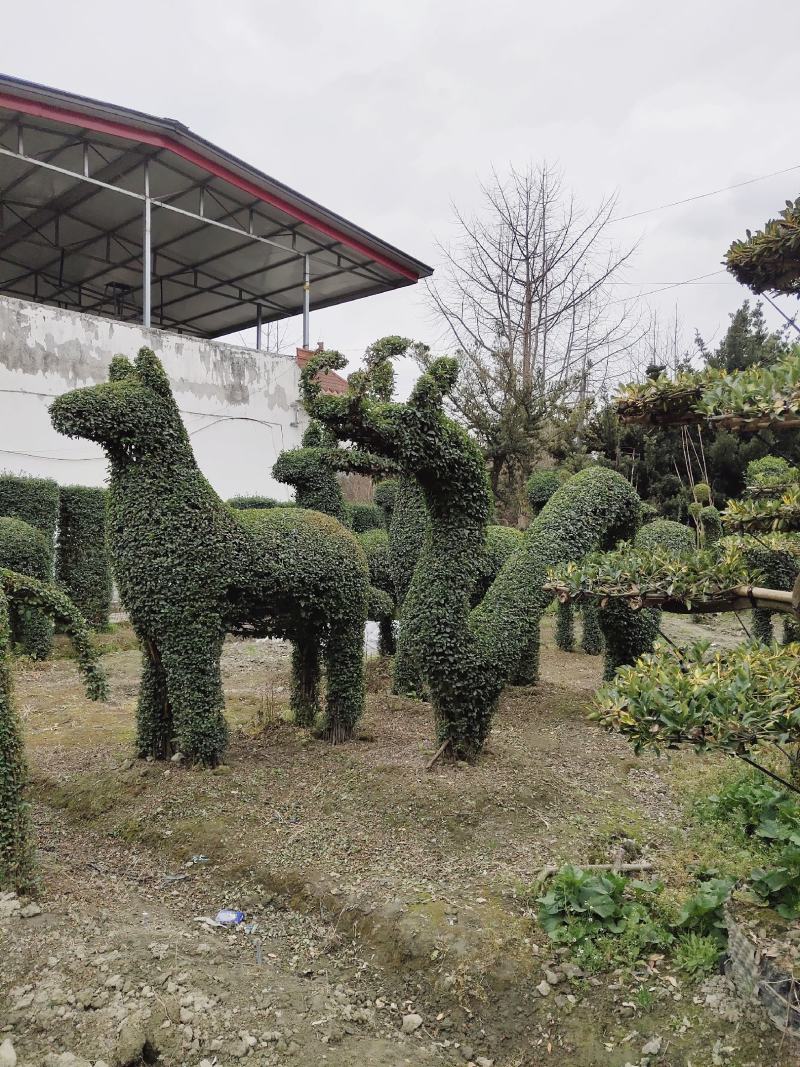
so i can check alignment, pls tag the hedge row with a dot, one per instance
(82, 562)
(80, 557)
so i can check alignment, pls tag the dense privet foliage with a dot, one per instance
(469, 655)
(82, 563)
(189, 568)
(384, 494)
(363, 517)
(710, 525)
(259, 503)
(777, 568)
(665, 534)
(565, 627)
(309, 471)
(16, 592)
(592, 639)
(34, 500)
(25, 549)
(629, 634)
(540, 487)
(376, 548)
(500, 544)
(406, 536)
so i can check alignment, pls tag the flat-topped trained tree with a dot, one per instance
(189, 569)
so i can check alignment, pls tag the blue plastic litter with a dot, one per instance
(229, 917)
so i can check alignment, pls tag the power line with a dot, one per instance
(702, 196)
(671, 285)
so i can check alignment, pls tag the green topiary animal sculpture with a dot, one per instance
(189, 568)
(468, 655)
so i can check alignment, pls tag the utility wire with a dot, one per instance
(703, 196)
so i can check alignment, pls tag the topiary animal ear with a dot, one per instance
(151, 372)
(119, 368)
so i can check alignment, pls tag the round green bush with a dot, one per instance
(665, 533)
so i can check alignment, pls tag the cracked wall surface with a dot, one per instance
(241, 407)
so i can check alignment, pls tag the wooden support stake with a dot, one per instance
(438, 753)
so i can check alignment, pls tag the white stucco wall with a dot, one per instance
(240, 407)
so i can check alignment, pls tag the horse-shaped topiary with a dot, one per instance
(189, 569)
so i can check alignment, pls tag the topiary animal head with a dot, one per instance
(132, 415)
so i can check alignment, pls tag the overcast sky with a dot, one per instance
(388, 113)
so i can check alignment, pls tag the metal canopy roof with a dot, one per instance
(228, 244)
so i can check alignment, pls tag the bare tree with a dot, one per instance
(526, 295)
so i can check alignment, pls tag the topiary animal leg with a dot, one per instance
(154, 727)
(592, 643)
(194, 686)
(628, 635)
(306, 674)
(344, 675)
(528, 669)
(565, 628)
(761, 627)
(387, 643)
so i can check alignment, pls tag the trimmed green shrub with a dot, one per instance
(25, 549)
(34, 500)
(770, 472)
(189, 568)
(711, 525)
(469, 655)
(82, 563)
(259, 503)
(363, 517)
(540, 487)
(18, 591)
(501, 543)
(384, 494)
(666, 534)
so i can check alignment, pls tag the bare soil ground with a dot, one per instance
(390, 902)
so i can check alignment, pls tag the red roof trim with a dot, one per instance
(118, 129)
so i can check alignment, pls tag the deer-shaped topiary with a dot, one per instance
(189, 569)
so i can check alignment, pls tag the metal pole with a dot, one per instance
(258, 327)
(306, 300)
(146, 265)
